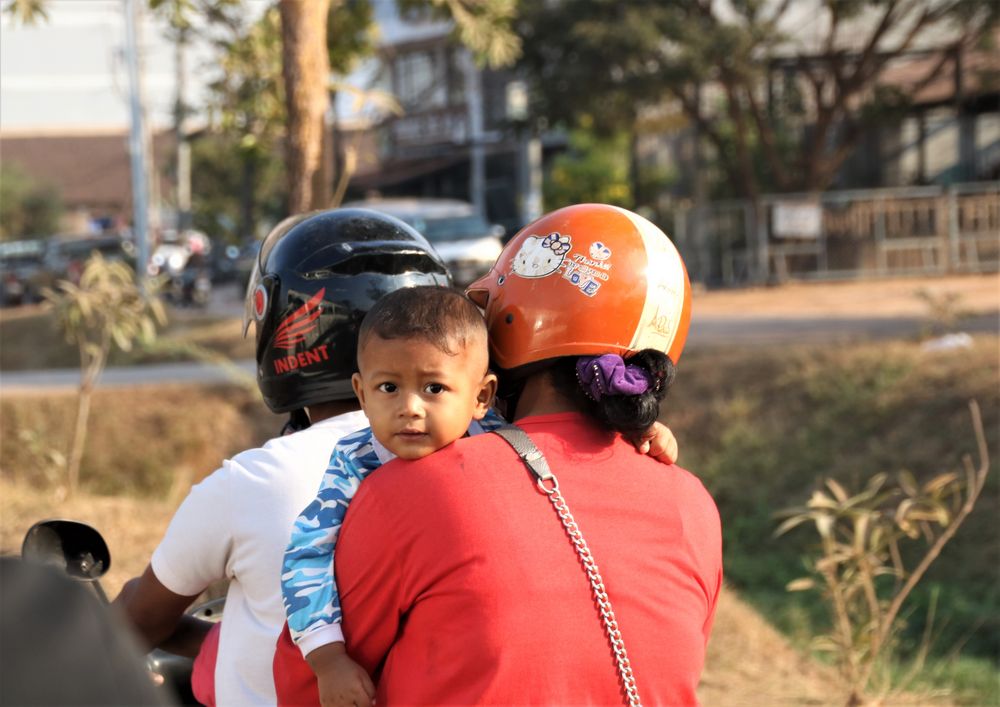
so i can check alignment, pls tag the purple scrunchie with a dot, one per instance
(610, 375)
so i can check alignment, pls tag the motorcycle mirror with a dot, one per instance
(73, 547)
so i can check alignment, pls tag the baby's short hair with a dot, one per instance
(438, 315)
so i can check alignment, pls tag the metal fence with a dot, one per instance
(843, 235)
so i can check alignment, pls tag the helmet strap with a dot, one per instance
(298, 420)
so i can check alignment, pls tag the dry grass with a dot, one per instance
(750, 664)
(222, 337)
(146, 441)
(131, 527)
(29, 340)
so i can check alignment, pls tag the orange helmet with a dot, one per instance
(584, 280)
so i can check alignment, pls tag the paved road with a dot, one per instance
(718, 331)
(126, 376)
(706, 331)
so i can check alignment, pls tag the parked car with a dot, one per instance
(65, 257)
(465, 241)
(20, 262)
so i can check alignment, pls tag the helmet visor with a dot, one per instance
(251, 306)
(255, 301)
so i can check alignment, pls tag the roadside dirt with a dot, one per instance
(973, 294)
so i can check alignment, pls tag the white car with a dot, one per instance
(465, 241)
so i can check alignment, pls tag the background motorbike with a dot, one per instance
(187, 275)
(79, 550)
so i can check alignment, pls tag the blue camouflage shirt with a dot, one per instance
(308, 586)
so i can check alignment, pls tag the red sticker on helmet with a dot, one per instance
(303, 321)
(259, 302)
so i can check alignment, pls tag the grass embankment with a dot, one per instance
(145, 442)
(761, 427)
(29, 340)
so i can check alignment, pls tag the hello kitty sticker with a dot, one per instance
(541, 256)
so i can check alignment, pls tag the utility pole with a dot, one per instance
(530, 152)
(137, 143)
(532, 209)
(183, 185)
(477, 151)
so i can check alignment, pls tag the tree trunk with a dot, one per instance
(744, 160)
(93, 365)
(306, 69)
(79, 440)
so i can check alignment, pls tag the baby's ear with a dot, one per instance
(359, 388)
(487, 391)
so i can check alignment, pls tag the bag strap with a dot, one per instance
(547, 483)
(526, 449)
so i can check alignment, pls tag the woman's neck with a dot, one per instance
(540, 397)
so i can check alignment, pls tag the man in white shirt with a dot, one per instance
(316, 277)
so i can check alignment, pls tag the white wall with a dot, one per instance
(69, 73)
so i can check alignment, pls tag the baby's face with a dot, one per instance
(418, 398)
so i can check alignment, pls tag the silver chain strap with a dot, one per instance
(597, 586)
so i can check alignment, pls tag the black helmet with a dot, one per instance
(316, 277)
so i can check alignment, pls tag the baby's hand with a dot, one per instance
(341, 681)
(658, 442)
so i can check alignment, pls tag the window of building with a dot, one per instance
(415, 78)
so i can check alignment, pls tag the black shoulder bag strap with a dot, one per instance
(549, 485)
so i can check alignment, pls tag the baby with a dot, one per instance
(423, 381)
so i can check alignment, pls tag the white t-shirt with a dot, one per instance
(235, 525)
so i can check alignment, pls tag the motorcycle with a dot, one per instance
(186, 276)
(79, 550)
(190, 287)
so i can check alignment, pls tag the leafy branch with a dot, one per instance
(105, 310)
(860, 544)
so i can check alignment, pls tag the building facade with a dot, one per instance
(458, 133)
